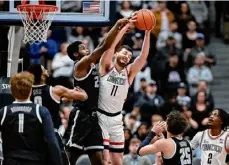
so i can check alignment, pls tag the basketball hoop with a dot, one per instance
(36, 20)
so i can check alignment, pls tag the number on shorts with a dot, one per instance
(38, 100)
(209, 158)
(185, 156)
(96, 81)
(114, 90)
(21, 123)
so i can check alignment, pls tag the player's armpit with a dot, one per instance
(195, 142)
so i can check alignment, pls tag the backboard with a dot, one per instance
(70, 13)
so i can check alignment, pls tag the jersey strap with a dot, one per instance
(107, 113)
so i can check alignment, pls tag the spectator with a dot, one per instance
(126, 9)
(184, 17)
(200, 47)
(203, 86)
(197, 73)
(173, 75)
(182, 99)
(137, 44)
(62, 67)
(144, 74)
(149, 104)
(200, 11)
(163, 36)
(163, 18)
(78, 33)
(162, 55)
(44, 51)
(200, 110)
(133, 157)
(189, 37)
(142, 131)
(131, 122)
(128, 137)
(158, 159)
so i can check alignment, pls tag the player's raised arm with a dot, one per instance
(106, 60)
(86, 61)
(140, 61)
(71, 94)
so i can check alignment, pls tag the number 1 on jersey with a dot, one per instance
(114, 90)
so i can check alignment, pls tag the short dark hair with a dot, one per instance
(125, 47)
(36, 70)
(176, 123)
(73, 48)
(224, 117)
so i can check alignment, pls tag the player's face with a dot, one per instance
(214, 119)
(83, 50)
(45, 73)
(123, 57)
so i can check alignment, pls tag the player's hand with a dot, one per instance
(133, 17)
(122, 22)
(159, 127)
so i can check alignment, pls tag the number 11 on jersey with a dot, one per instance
(114, 90)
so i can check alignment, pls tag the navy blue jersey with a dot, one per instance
(90, 83)
(182, 154)
(42, 95)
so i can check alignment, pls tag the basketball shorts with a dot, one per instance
(112, 131)
(85, 132)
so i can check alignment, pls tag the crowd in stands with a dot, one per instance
(177, 74)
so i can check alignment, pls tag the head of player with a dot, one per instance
(176, 124)
(123, 56)
(219, 119)
(77, 50)
(21, 86)
(39, 72)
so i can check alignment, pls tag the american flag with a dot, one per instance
(91, 7)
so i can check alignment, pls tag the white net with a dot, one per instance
(36, 22)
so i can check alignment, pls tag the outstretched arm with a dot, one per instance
(140, 61)
(82, 66)
(71, 94)
(106, 60)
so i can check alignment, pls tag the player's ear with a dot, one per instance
(76, 54)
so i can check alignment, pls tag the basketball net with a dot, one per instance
(36, 19)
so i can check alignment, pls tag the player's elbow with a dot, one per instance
(82, 97)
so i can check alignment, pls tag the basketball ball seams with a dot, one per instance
(136, 23)
(143, 19)
(152, 17)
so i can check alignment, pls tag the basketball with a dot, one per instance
(145, 20)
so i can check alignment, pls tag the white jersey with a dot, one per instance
(113, 90)
(213, 149)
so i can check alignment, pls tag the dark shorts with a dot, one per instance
(84, 131)
(21, 162)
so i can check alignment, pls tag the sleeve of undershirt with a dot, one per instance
(49, 135)
(196, 140)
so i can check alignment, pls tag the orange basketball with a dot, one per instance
(145, 20)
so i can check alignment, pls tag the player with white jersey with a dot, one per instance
(115, 79)
(214, 142)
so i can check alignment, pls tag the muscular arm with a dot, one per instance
(82, 66)
(140, 61)
(106, 60)
(49, 135)
(71, 94)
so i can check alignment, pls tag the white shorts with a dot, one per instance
(112, 131)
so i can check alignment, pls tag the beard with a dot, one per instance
(121, 64)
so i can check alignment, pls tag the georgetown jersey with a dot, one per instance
(90, 84)
(182, 154)
(22, 131)
(42, 95)
(213, 151)
(113, 90)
